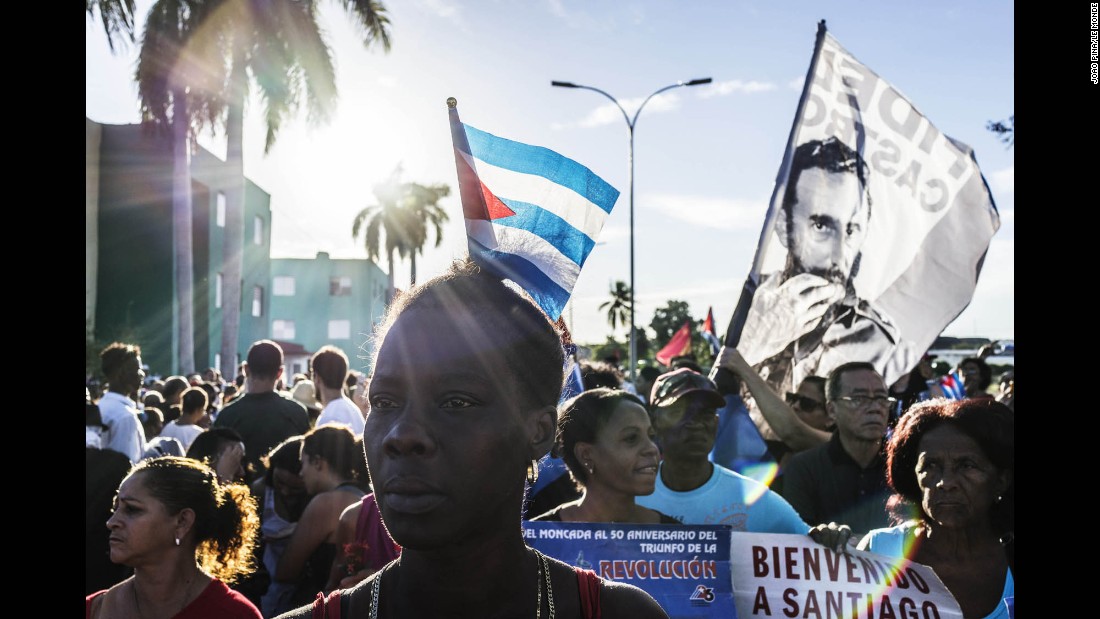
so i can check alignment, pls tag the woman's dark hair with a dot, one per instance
(209, 443)
(985, 373)
(286, 455)
(337, 445)
(597, 374)
(534, 353)
(988, 422)
(226, 523)
(580, 419)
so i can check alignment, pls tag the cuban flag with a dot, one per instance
(952, 386)
(709, 333)
(532, 215)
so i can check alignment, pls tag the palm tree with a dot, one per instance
(117, 17)
(618, 307)
(386, 221)
(421, 203)
(278, 45)
(176, 78)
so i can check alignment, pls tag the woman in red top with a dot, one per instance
(186, 536)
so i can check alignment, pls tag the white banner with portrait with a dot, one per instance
(875, 235)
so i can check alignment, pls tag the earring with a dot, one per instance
(533, 472)
(177, 541)
(591, 469)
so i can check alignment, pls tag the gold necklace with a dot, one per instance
(545, 569)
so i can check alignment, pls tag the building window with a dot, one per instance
(339, 286)
(219, 210)
(282, 329)
(282, 286)
(339, 329)
(258, 301)
(218, 290)
(258, 231)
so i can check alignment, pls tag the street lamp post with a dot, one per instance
(630, 123)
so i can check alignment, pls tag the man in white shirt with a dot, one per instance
(121, 364)
(329, 370)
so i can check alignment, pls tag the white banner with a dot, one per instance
(777, 575)
(875, 236)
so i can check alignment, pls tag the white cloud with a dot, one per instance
(796, 83)
(722, 89)
(1004, 181)
(446, 9)
(609, 113)
(387, 81)
(721, 213)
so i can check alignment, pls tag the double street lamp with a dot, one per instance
(630, 123)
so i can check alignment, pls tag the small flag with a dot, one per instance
(680, 344)
(709, 333)
(952, 386)
(532, 215)
(574, 380)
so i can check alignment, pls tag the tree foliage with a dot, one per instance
(618, 306)
(398, 221)
(117, 17)
(666, 320)
(1005, 130)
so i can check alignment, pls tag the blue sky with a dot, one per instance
(705, 157)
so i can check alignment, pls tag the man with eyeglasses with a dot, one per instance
(844, 480)
(684, 410)
(787, 424)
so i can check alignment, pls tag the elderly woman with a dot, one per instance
(952, 460)
(605, 438)
(463, 403)
(186, 535)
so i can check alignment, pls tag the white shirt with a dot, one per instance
(124, 432)
(185, 434)
(342, 411)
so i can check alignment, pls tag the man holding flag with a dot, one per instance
(875, 236)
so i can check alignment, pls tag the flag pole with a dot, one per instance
(740, 313)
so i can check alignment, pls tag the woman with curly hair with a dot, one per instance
(952, 463)
(186, 536)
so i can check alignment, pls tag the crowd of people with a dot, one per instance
(323, 497)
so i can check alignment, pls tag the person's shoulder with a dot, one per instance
(619, 599)
(229, 603)
(806, 457)
(887, 540)
(554, 515)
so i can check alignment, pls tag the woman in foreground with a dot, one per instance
(953, 460)
(467, 376)
(186, 535)
(606, 440)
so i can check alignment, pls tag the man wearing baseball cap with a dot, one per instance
(683, 406)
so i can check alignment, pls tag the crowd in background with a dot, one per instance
(678, 446)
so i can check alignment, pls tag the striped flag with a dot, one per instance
(709, 334)
(952, 386)
(532, 215)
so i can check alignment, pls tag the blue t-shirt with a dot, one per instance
(892, 542)
(727, 498)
